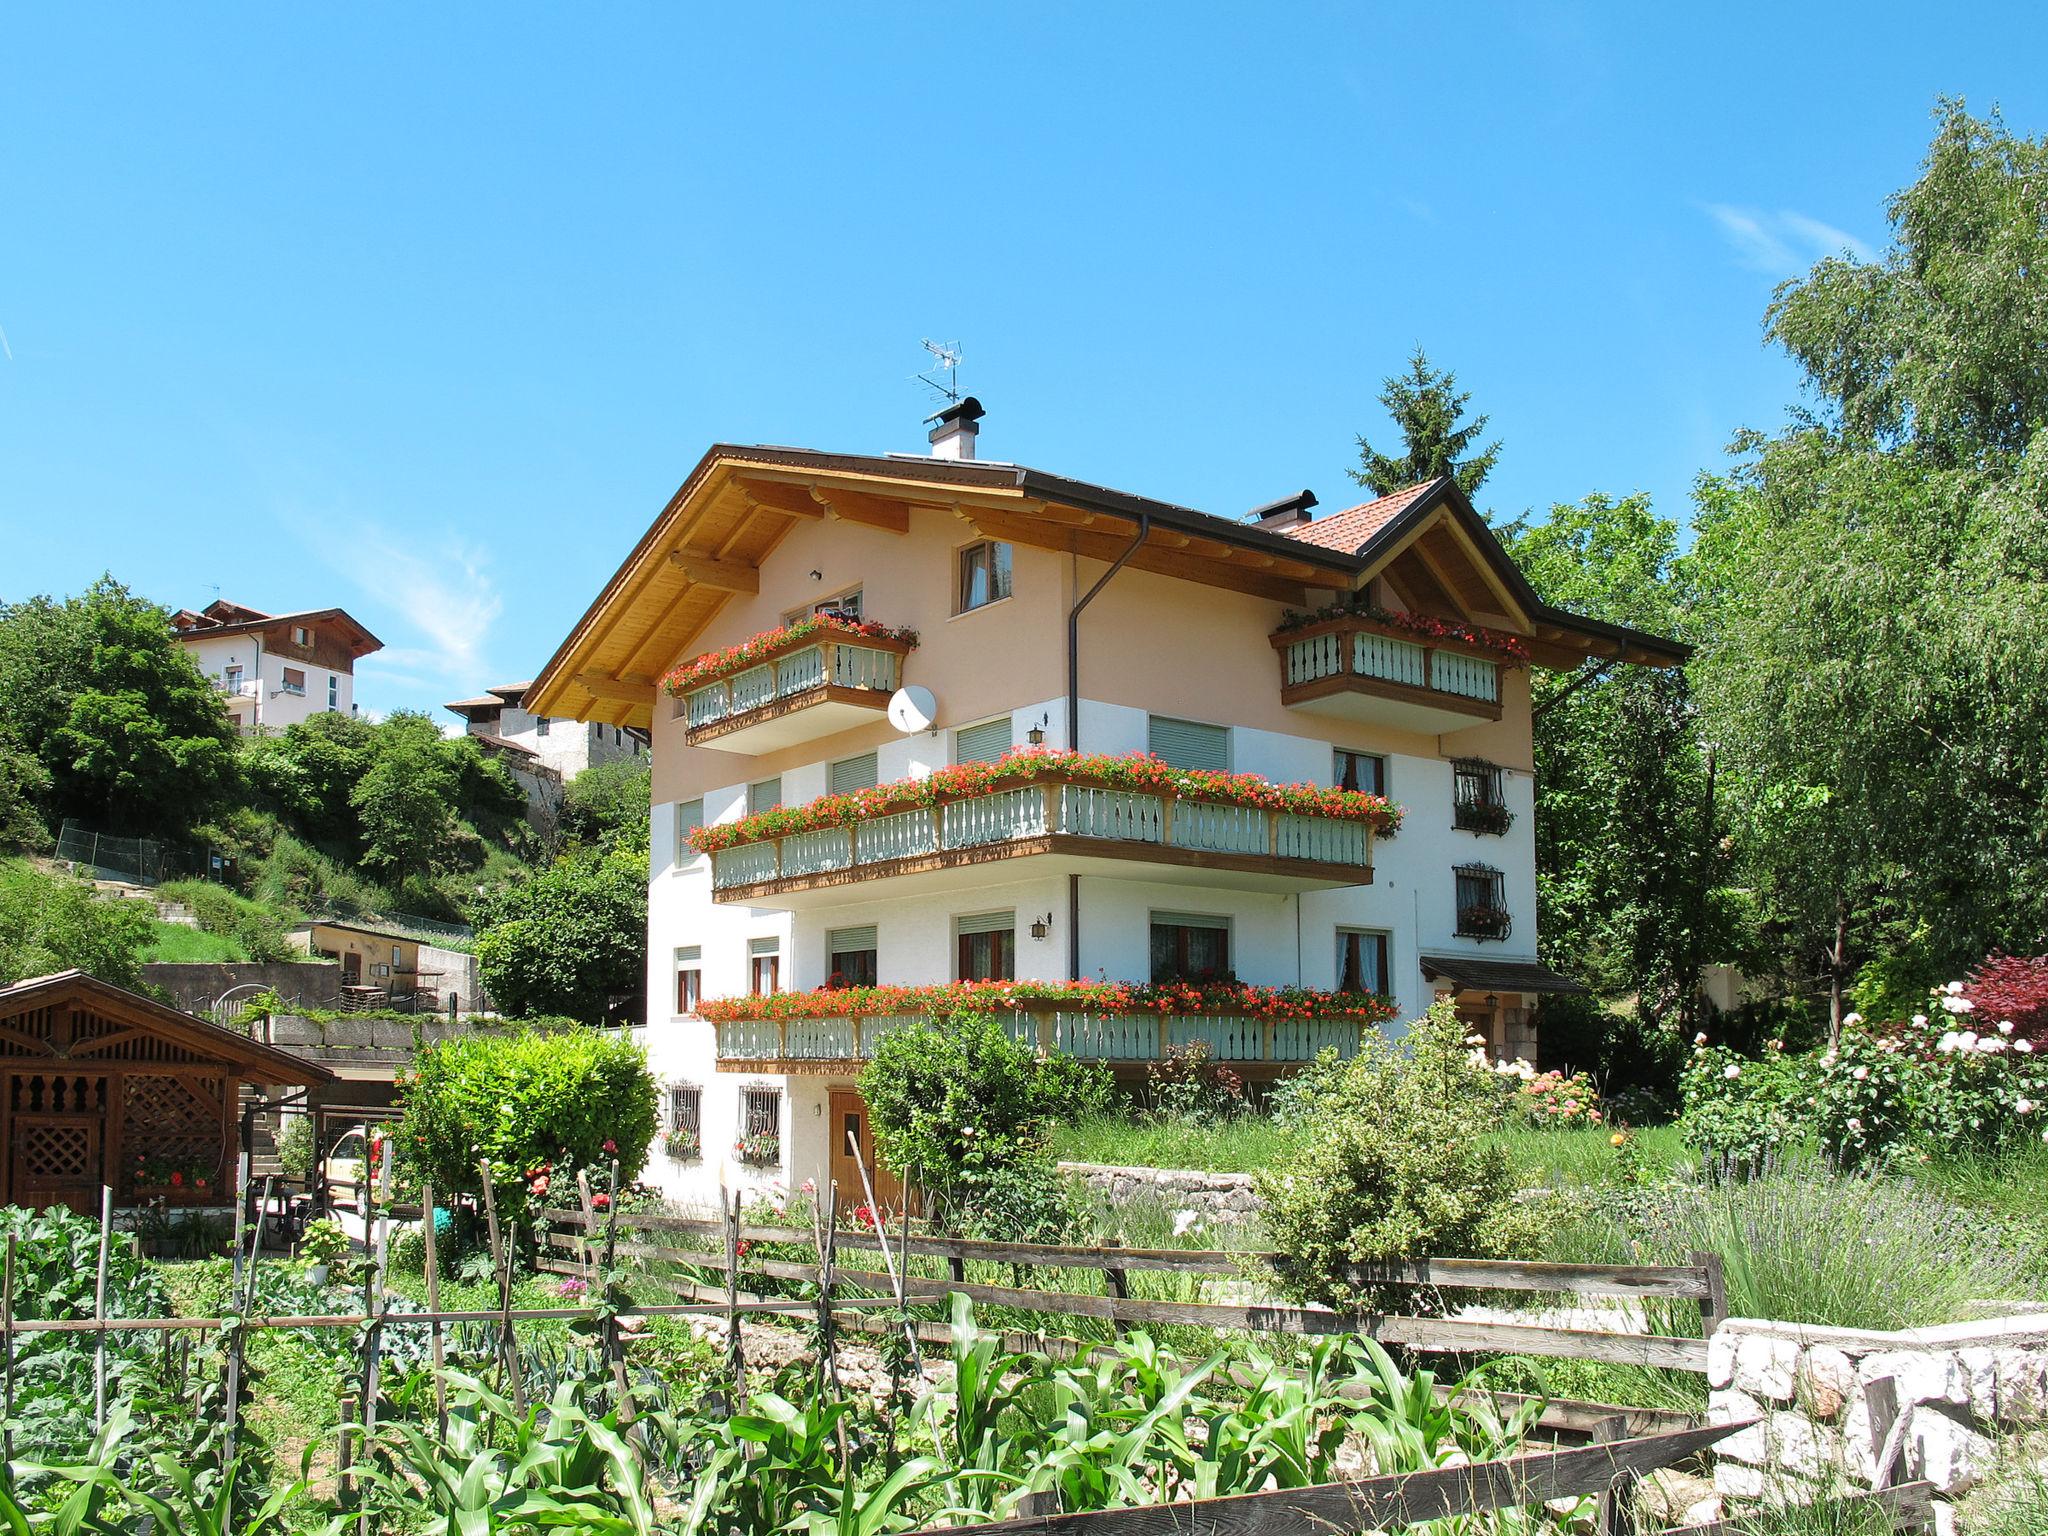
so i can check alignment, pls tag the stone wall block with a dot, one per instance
(1946, 1452)
(1827, 1381)
(1766, 1367)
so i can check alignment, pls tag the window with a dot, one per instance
(764, 795)
(1188, 743)
(1366, 771)
(846, 605)
(1190, 946)
(984, 575)
(761, 1113)
(1482, 902)
(231, 679)
(396, 954)
(850, 957)
(987, 943)
(294, 680)
(689, 817)
(686, 1108)
(541, 725)
(1361, 960)
(333, 692)
(689, 977)
(301, 635)
(764, 966)
(1478, 798)
(851, 773)
(983, 743)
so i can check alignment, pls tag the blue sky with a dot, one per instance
(424, 311)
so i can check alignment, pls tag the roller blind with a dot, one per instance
(1189, 743)
(986, 922)
(842, 941)
(758, 947)
(689, 954)
(764, 796)
(851, 773)
(1191, 919)
(982, 743)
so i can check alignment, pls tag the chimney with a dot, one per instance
(953, 437)
(1284, 513)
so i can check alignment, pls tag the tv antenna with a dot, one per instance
(946, 360)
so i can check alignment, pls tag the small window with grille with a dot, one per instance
(1479, 797)
(1482, 902)
(760, 1138)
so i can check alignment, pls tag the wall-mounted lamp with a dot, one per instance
(1036, 735)
(1041, 926)
(817, 575)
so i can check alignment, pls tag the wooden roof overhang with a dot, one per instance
(1439, 556)
(710, 540)
(60, 999)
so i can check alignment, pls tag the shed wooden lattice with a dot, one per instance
(102, 1086)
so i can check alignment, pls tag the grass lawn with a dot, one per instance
(181, 944)
(1229, 1146)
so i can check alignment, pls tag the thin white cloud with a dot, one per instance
(1783, 243)
(433, 591)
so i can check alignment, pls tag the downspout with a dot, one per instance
(1074, 723)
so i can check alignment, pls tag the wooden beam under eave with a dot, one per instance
(858, 507)
(709, 571)
(778, 496)
(616, 690)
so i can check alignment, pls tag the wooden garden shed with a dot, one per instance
(102, 1086)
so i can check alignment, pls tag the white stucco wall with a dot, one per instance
(1277, 939)
(569, 746)
(268, 706)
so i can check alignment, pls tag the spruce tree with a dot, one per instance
(1429, 410)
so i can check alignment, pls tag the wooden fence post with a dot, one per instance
(437, 1351)
(373, 1336)
(237, 1348)
(99, 1313)
(1119, 1285)
(1714, 1308)
(735, 1350)
(7, 1401)
(501, 1258)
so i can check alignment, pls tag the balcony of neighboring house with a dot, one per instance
(238, 689)
(1135, 819)
(1414, 671)
(837, 1045)
(811, 679)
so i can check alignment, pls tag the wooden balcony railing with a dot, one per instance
(861, 671)
(829, 1045)
(1054, 815)
(1357, 653)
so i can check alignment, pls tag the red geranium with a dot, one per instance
(755, 649)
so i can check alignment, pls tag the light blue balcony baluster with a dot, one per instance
(997, 818)
(819, 1039)
(1229, 1037)
(749, 1040)
(1219, 828)
(707, 706)
(815, 853)
(1393, 661)
(905, 835)
(744, 865)
(800, 671)
(878, 1027)
(1108, 1036)
(856, 666)
(1467, 676)
(753, 688)
(1316, 657)
(1020, 1026)
(1325, 839)
(1126, 815)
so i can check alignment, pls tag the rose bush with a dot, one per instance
(1131, 771)
(1739, 1110)
(1553, 1100)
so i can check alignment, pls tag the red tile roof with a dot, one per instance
(1353, 528)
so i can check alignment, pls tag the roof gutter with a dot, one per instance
(1074, 720)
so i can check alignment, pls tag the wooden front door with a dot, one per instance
(55, 1160)
(848, 1113)
(351, 968)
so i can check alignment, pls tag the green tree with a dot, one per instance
(606, 806)
(532, 1104)
(1429, 412)
(1870, 587)
(1630, 876)
(404, 808)
(24, 783)
(56, 923)
(134, 739)
(571, 940)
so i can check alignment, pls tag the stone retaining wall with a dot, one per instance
(1223, 1198)
(193, 985)
(1846, 1405)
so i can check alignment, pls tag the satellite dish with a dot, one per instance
(913, 709)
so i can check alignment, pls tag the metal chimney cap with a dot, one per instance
(964, 410)
(1288, 509)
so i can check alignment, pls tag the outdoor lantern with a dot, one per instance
(1041, 926)
(1036, 735)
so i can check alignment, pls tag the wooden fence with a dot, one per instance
(1700, 1282)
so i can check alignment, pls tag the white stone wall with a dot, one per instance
(1821, 1413)
(1215, 1199)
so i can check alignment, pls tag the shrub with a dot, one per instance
(1739, 1110)
(55, 922)
(960, 1109)
(1395, 1164)
(260, 931)
(2014, 989)
(535, 1105)
(1191, 1085)
(1555, 1101)
(295, 1147)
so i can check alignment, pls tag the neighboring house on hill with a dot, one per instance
(403, 966)
(276, 669)
(1047, 610)
(540, 746)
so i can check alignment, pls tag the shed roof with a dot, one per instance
(250, 1059)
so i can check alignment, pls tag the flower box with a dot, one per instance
(758, 1151)
(1484, 922)
(1173, 997)
(1484, 816)
(773, 643)
(684, 1145)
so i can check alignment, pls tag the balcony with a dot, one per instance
(839, 1046)
(1065, 825)
(807, 689)
(1364, 668)
(237, 691)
